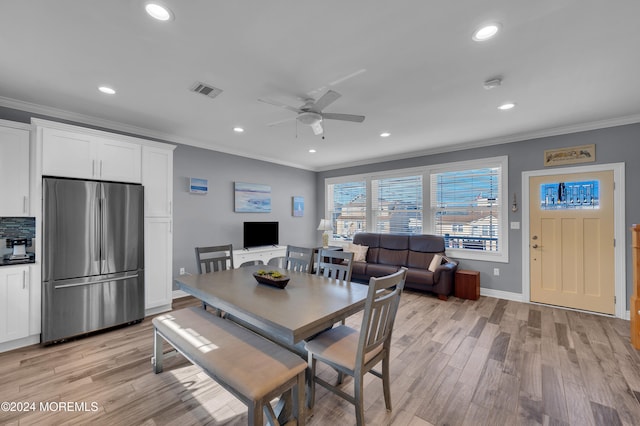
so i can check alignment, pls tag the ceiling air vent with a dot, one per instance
(206, 90)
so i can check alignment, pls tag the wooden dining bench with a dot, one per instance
(249, 366)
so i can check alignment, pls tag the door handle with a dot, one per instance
(534, 246)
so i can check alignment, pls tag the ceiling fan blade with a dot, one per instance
(343, 117)
(280, 104)
(317, 128)
(281, 121)
(325, 100)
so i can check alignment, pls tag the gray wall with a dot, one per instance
(613, 145)
(201, 220)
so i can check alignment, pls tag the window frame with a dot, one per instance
(428, 213)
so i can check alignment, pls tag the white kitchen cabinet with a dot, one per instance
(157, 178)
(258, 253)
(14, 302)
(14, 171)
(158, 246)
(88, 156)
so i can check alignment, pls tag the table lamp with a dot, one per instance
(327, 227)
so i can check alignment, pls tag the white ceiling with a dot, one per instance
(415, 71)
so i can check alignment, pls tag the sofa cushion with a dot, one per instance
(435, 262)
(359, 268)
(426, 243)
(416, 259)
(370, 240)
(420, 277)
(392, 257)
(394, 242)
(359, 252)
(377, 270)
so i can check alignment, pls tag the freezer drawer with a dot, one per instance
(73, 307)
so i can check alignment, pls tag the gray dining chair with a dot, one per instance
(299, 258)
(335, 264)
(356, 352)
(251, 263)
(214, 259)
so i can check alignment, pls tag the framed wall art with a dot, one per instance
(571, 155)
(297, 206)
(252, 198)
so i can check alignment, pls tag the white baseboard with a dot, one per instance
(177, 294)
(157, 310)
(19, 343)
(499, 294)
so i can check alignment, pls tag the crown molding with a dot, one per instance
(79, 118)
(516, 137)
(46, 113)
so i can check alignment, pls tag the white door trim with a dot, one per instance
(618, 227)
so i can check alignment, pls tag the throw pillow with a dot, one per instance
(435, 262)
(359, 252)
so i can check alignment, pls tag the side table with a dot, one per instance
(467, 284)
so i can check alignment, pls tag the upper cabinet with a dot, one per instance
(14, 170)
(157, 178)
(88, 156)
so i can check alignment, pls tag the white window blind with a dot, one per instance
(397, 204)
(347, 208)
(466, 208)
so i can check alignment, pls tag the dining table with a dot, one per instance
(307, 305)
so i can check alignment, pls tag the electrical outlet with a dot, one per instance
(182, 271)
(496, 271)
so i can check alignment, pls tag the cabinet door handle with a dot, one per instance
(93, 168)
(25, 204)
(100, 168)
(170, 208)
(24, 280)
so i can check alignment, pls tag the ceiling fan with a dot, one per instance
(311, 112)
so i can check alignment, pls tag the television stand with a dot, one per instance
(263, 253)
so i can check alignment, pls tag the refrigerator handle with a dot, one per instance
(98, 231)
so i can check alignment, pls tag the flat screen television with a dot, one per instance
(256, 234)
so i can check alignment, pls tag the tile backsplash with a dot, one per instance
(16, 227)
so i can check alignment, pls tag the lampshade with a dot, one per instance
(325, 225)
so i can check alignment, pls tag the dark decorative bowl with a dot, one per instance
(280, 282)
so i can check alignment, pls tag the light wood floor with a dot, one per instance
(459, 362)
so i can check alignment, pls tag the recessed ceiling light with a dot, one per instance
(106, 89)
(238, 129)
(385, 134)
(158, 11)
(486, 32)
(312, 151)
(506, 106)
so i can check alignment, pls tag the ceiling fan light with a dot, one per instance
(309, 118)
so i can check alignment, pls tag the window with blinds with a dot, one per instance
(466, 206)
(396, 204)
(347, 208)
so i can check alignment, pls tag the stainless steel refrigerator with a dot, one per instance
(93, 256)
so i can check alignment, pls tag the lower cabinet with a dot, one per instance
(158, 254)
(14, 302)
(258, 253)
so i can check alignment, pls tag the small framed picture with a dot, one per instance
(198, 186)
(297, 209)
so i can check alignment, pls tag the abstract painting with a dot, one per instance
(252, 198)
